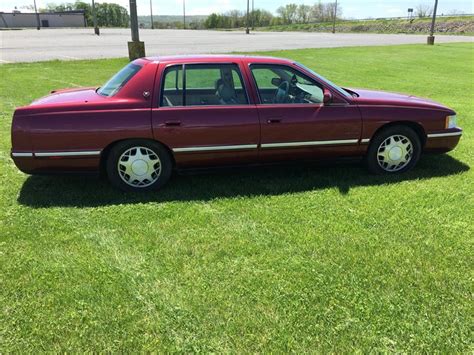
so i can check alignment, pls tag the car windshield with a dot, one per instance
(338, 88)
(119, 80)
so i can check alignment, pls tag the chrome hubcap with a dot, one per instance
(395, 153)
(139, 167)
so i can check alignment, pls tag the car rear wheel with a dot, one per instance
(139, 165)
(395, 149)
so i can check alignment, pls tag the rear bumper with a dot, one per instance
(45, 162)
(442, 141)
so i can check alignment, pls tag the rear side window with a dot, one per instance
(119, 80)
(214, 84)
(172, 93)
(203, 85)
(201, 77)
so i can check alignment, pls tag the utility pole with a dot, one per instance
(184, 14)
(247, 30)
(151, 15)
(431, 37)
(136, 49)
(253, 16)
(38, 26)
(94, 18)
(334, 20)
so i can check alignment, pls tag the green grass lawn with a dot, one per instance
(301, 258)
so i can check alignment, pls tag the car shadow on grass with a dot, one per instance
(81, 191)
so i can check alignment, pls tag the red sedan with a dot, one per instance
(158, 114)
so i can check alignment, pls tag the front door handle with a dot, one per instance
(172, 123)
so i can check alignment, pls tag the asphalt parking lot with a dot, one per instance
(30, 45)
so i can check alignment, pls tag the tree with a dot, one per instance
(276, 21)
(303, 13)
(261, 17)
(108, 15)
(330, 11)
(211, 21)
(316, 12)
(28, 7)
(235, 17)
(288, 13)
(423, 10)
(52, 7)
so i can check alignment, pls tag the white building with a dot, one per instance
(46, 19)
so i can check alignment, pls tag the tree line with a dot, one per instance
(288, 14)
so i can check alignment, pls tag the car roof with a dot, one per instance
(218, 58)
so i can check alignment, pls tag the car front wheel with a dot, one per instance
(139, 165)
(395, 149)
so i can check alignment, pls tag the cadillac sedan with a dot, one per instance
(165, 113)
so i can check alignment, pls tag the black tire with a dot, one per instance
(382, 167)
(150, 150)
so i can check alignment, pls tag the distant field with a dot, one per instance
(278, 259)
(459, 25)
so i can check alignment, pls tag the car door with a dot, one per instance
(295, 122)
(204, 115)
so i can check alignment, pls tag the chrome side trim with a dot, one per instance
(309, 143)
(22, 155)
(448, 134)
(264, 145)
(215, 148)
(67, 154)
(365, 140)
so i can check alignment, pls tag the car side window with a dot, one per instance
(279, 84)
(214, 84)
(172, 92)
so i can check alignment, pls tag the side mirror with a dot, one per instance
(276, 81)
(327, 96)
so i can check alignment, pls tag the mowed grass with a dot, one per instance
(301, 258)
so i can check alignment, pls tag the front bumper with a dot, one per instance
(443, 141)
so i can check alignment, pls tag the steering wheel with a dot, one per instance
(281, 94)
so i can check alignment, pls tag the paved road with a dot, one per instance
(47, 44)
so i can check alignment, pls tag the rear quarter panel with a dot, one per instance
(93, 129)
(88, 125)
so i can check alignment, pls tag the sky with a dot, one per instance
(350, 8)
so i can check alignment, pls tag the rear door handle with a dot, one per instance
(273, 120)
(172, 123)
